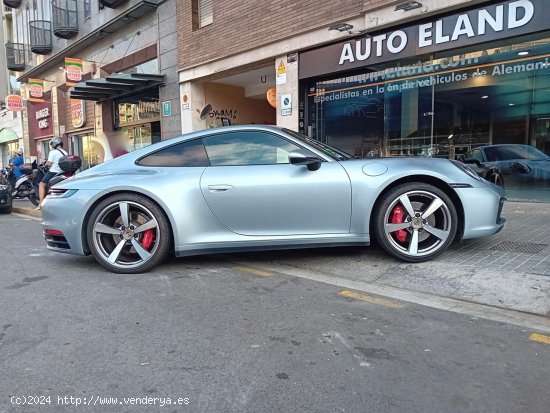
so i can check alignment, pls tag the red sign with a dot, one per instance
(73, 71)
(78, 115)
(36, 90)
(14, 103)
(40, 119)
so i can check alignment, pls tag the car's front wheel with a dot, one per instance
(128, 233)
(415, 222)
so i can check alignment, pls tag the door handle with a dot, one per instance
(219, 188)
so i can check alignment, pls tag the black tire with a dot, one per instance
(33, 197)
(6, 210)
(115, 232)
(428, 231)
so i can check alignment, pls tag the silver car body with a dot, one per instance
(237, 208)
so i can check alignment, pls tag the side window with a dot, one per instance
(186, 154)
(247, 148)
(476, 153)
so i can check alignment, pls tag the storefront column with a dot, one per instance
(287, 86)
(409, 116)
(192, 101)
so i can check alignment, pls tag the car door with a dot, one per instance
(252, 189)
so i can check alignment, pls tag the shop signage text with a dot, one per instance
(485, 24)
(14, 103)
(73, 71)
(42, 116)
(78, 115)
(36, 90)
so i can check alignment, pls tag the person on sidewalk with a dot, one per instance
(55, 154)
(15, 163)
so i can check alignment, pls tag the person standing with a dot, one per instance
(55, 154)
(15, 163)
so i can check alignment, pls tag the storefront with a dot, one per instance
(40, 120)
(441, 88)
(79, 118)
(138, 118)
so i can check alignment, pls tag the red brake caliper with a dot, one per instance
(148, 239)
(397, 218)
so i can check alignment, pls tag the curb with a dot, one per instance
(27, 211)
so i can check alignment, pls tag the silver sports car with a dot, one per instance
(243, 188)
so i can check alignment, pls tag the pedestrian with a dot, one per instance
(15, 162)
(52, 163)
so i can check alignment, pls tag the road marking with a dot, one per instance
(371, 299)
(252, 270)
(540, 338)
(484, 311)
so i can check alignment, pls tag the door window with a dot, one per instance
(247, 148)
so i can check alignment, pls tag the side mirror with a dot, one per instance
(472, 160)
(301, 158)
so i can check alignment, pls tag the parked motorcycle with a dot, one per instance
(23, 187)
(68, 163)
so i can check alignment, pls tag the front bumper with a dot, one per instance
(482, 210)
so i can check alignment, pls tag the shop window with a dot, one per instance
(185, 154)
(137, 109)
(444, 107)
(90, 150)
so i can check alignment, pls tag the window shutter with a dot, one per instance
(205, 13)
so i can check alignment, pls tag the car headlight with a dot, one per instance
(3, 187)
(466, 169)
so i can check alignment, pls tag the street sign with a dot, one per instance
(167, 108)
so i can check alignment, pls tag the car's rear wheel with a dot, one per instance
(128, 233)
(415, 222)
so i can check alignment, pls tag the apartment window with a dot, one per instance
(87, 9)
(205, 12)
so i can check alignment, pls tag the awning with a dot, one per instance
(7, 135)
(114, 86)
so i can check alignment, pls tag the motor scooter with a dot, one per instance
(22, 187)
(69, 165)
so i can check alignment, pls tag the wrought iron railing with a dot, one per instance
(65, 18)
(40, 36)
(15, 56)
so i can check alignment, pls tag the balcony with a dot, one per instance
(14, 4)
(112, 4)
(65, 18)
(41, 36)
(15, 56)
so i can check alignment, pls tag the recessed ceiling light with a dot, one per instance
(485, 97)
(524, 53)
(511, 104)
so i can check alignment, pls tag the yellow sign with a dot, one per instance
(281, 69)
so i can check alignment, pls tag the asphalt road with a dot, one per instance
(209, 334)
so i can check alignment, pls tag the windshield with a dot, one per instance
(336, 154)
(509, 152)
